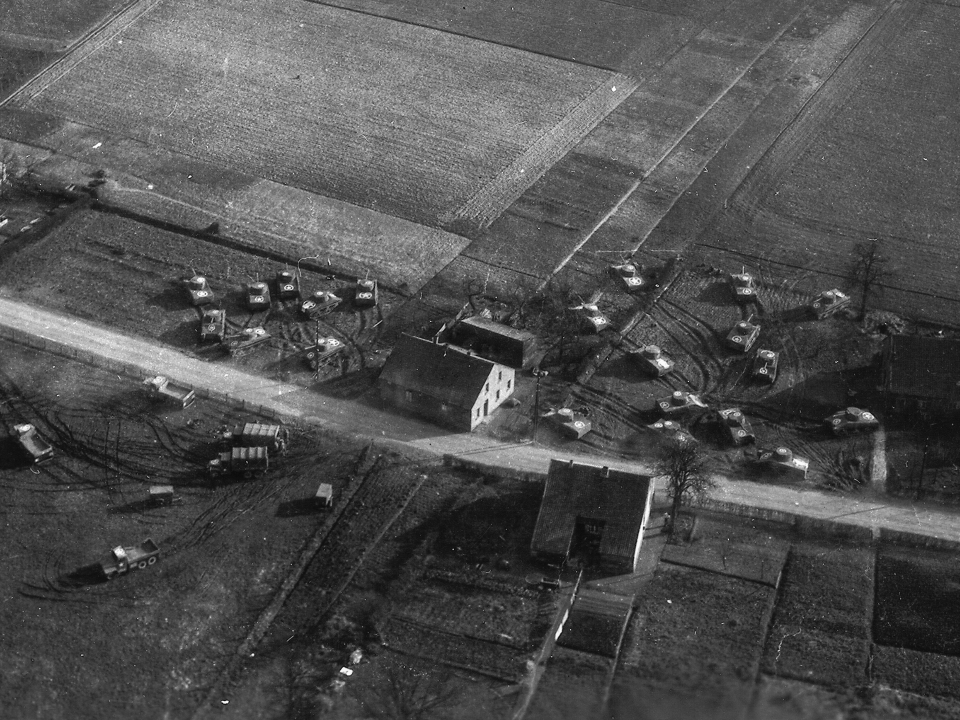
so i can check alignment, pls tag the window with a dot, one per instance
(486, 388)
(498, 394)
(508, 384)
(409, 394)
(500, 375)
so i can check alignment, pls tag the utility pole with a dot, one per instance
(537, 373)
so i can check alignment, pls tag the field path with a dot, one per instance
(101, 346)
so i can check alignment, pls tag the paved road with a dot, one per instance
(363, 419)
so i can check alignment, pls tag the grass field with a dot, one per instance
(406, 120)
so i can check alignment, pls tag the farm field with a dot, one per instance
(75, 645)
(360, 120)
(872, 156)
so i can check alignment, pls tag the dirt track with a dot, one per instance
(365, 420)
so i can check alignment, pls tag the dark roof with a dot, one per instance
(590, 491)
(444, 372)
(478, 321)
(597, 622)
(923, 366)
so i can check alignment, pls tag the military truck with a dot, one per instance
(571, 425)
(670, 430)
(258, 296)
(213, 325)
(199, 289)
(246, 461)
(122, 560)
(272, 437)
(245, 342)
(160, 387)
(319, 303)
(35, 447)
(591, 318)
(288, 285)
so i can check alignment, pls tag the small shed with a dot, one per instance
(594, 509)
(444, 383)
(921, 374)
(496, 341)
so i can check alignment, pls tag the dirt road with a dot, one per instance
(110, 349)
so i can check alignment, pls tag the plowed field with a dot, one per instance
(402, 119)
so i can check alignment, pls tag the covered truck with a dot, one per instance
(272, 437)
(122, 560)
(38, 449)
(161, 387)
(246, 461)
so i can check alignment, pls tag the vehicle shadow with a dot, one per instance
(82, 577)
(299, 507)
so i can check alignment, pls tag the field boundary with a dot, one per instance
(491, 200)
(81, 50)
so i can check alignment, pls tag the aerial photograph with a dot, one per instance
(480, 359)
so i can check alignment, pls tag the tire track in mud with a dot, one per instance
(695, 338)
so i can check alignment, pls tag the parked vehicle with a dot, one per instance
(122, 560)
(735, 426)
(783, 460)
(288, 285)
(272, 437)
(199, 289)
(672, 431)
(571, 425)
(680, 403)
(629, 276)
(325, 350)
(591, 317)
(367, 293)
(324, 496)
(744, 287)
(258, 296)
(246, 461)
(320, 303)
(161, 495)
(743, 335)
(38, 449)
(245, 342)
(161, 387)
(852, 419)
(213, 325)
(652, 360)
(765, 366)
(828, 303)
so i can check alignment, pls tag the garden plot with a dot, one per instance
(821, 630)
(409, 121)
(694, 634)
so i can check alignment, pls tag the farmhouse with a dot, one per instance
(496, 341)
(444, 383)
(922, 374)
(593, 511)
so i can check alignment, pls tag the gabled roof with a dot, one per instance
(444, 372)
(478, 321)
(575, 490)
(923, 367)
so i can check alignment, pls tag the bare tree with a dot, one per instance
(687, 470)
(406, 693)
(869, 269)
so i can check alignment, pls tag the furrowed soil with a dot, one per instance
(360, 117)
(149, 643)
(872, 156)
